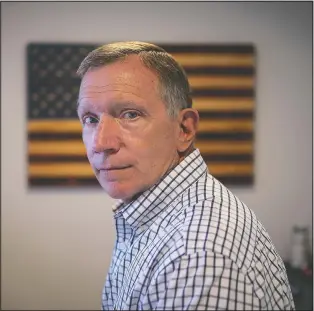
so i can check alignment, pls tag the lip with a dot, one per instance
(113, 168)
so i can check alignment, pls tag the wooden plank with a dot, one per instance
(230, 169)
(223, 104)
(60, 170)
(75, 147)
(212, 82)
(51, 148)
(245, 125)
(54, 126)
(228, 147)
(59, 126)
(204, 59)
(84, 169)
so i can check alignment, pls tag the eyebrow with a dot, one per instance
(118, 105)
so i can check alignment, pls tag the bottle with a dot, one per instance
(298, 259)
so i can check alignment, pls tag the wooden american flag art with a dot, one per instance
(222, 78)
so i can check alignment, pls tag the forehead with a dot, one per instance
(120, 82)
(129, 73)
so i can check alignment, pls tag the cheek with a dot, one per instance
(155, 132)
(156, 144)
(87, 138)
(136, 138)
(164, 137)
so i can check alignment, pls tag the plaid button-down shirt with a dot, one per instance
(189, 244)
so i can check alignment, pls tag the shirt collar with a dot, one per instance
(141, 212)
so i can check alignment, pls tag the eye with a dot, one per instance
(88, 119)
(130, 114)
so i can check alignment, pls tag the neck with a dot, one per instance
(181, 157)
(184, 154)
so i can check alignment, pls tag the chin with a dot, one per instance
(119, 191)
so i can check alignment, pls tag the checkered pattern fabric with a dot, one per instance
(189, 244)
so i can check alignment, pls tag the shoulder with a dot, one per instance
(216, 220)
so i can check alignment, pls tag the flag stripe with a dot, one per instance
(54, 126)
(56, 148)
(245, 157)
(77, 147)
(223, 92)
(210, 82)
(37, 136)
(221, 157)
(93, 182)
(243, 71)
(200, 103)
(53, 169)
(34, 48)
(42, 182)
(230, 147)
(60, 169)
(218, 75)
(223, 136)
(223, 104)
(210, 116)
(206, 48)
(74, 126)
(196, 82)
(225, 125)
(211, 59)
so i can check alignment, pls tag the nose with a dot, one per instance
(106, 136)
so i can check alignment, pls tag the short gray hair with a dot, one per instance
(173, 82)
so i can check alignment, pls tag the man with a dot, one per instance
(184, 241)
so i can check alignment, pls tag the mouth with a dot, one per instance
(113, 173)
(114, 168)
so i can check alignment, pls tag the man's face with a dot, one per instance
(130, 140)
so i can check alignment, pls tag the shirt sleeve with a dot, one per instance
(201, 281)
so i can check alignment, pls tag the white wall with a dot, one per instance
(56, 246)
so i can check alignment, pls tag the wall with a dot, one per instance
(56, 246)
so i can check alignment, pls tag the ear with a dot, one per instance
(188, 120)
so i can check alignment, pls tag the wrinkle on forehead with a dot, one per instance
(119, 95)
(101, 88)
(132, 69)
(88, 87)
(118, 80)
